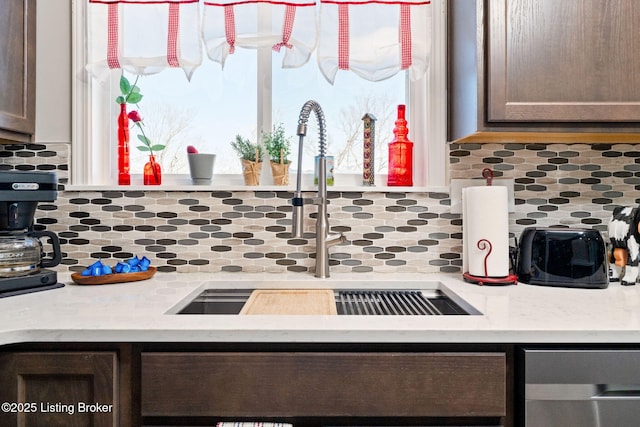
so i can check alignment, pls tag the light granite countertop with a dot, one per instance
(143, 312)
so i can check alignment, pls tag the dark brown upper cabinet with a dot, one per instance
(17, 70)
(544, 70)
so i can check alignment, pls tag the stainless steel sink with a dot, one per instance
(218, 301)
(435, 300)
(396, 302)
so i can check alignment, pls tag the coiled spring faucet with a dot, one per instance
(323, 239)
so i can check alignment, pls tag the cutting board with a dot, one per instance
(290, 301)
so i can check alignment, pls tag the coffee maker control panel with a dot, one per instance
(23, 186)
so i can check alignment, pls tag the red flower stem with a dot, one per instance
(153, 167)
(153, 158)
(145, 138)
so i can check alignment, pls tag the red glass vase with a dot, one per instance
(400, 154)
(152, 174)
(124, 177)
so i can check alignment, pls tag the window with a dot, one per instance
(252, 93)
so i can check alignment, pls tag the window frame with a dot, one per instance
(91, 141)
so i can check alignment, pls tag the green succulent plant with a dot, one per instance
(247, 149)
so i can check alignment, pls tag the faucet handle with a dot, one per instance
(336, 239)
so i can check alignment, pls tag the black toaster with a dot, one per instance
(569, 257)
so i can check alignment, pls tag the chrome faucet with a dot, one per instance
(323, 239)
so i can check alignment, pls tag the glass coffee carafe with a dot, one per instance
(21, 249)
(24, 254)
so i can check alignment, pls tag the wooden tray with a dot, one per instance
(291, 301)
(108, 279)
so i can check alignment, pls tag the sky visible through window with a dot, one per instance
(218, 104)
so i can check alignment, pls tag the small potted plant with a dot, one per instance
(200, 165)
(251, 157)
(279, 148)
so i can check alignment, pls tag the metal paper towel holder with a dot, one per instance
(485, 245)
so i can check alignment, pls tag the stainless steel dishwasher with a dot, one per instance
(581, 388)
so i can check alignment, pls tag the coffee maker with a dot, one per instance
(23, 261)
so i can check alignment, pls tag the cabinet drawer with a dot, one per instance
(324, 384)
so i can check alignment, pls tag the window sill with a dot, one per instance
(348, 183)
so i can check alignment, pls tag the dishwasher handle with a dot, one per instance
(618, 391)
(582, 392)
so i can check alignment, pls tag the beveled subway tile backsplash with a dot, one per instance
(250, 231)
(573, 185)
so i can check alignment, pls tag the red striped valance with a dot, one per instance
(373, 38)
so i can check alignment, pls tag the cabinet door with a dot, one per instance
(58, 389)
(563, 61)
(17, 69)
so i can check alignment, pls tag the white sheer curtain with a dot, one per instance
(144, 36)
(373, 38)
(252, 24)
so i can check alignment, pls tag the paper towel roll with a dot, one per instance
(485, 231)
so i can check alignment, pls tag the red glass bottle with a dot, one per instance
(152, 173)
(124, 177)
(400, 154)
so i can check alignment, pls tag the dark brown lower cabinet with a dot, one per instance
(458, 388)
(48, 389)
(197, 384)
